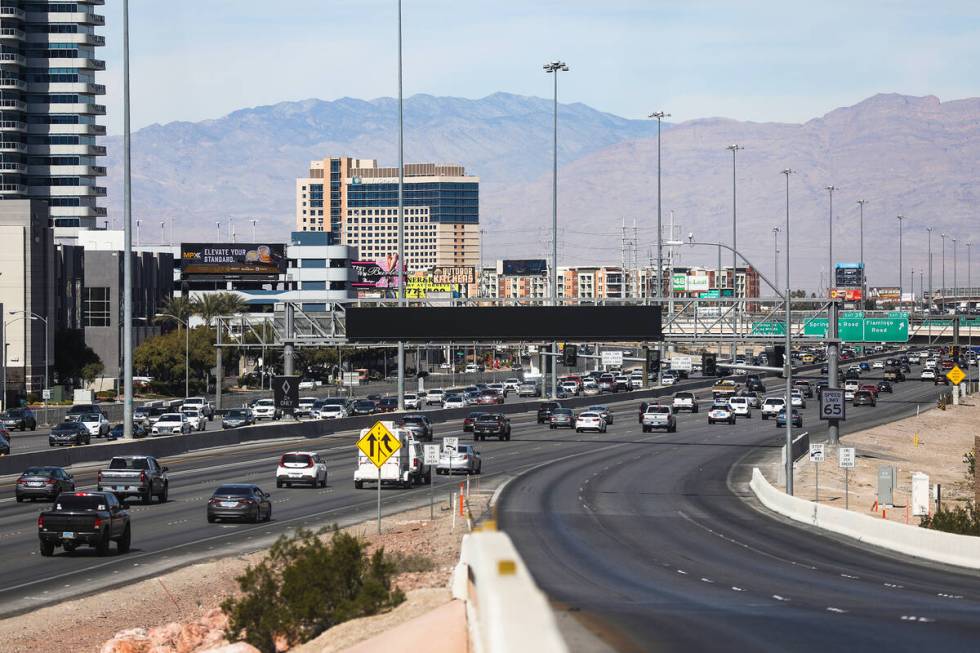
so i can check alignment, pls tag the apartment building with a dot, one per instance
(49, 109)
(357, 201)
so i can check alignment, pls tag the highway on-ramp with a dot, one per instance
(650, 547)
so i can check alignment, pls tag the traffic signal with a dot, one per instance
(778, 356)
(653, 359)
(569, 355)
(709, 365)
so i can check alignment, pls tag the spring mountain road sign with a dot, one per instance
(378, 444)
(862, 329)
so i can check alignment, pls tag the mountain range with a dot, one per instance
(914, 156)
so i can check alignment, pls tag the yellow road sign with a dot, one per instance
(378, 444)
(955, 375)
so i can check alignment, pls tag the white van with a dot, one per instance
(404, 468)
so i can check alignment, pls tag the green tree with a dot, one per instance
(91, 371)
(180, 307)
(208, 306)
(232, 304)
(72, 355)
(162, 357)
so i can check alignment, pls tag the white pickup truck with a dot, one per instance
(685, 401)
(659, 417)
(202, 405)
(141, 476)
(771, 407)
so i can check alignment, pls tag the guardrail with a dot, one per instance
(948, 548)
(505, 609)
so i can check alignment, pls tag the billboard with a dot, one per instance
(698, 283)
(536, 267)
(504, 323)
(889, 294)
(849, 275)
(678, 282)
(232, 260)
(459, 274)
(418, 285)
(382, 273)
(846, 294)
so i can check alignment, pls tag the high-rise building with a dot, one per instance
(48, 109)
(358, 201)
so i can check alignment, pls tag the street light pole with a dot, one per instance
(928, 302)
(864, 269)
(833, 345)
(35, 316)
(901, 219)
(187, 351)
(788, 359)
(775, 255)
(830, 249)
(660, 115)
(734, 148)
(253, 229)
(942, 262)
(969, 265)
(554, 68)
(955, 287)
(401, 220)
(127, 372)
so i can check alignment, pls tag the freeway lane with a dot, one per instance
(649, 547)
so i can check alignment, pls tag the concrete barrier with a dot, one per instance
(506, 611)
(937, 546)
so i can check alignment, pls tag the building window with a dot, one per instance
(95, 307)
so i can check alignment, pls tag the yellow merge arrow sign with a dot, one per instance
(955, 375)
(378, 444)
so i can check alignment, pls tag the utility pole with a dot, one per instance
(127, 371)
(864, 269)
(660, 115)
(901, 218)
(775, 256)
(942, 261)
(928, 302)
(955, 285)
(833, 345)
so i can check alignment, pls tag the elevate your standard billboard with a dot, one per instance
(232, 260)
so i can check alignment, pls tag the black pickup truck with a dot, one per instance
(84, 518)
(494, 425)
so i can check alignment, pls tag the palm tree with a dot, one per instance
(179, 307)
(232, 304)
(208, 306)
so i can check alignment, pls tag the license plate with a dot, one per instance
(295, 476)
(68, 535)
(35, 484)
(229, 504)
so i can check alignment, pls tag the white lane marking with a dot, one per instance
(779, 598)
(742, 544)
(681, 571)
(737, 589)
(837, 610)
(707, 580)
(850, 577)
(925, 620)
(894, 586)
(950, 596)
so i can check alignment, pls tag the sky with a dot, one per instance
(753, 60)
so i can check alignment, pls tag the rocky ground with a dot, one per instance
(933, 442)
(178, 612)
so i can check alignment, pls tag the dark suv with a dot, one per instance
(18, 418)
(545, 409)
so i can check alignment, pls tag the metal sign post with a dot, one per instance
(845, 459)
(378, 444)
(430, 454)
(816, 457)
(451, 445)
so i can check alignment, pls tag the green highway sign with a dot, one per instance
(902, 315)
(769, 329)
(862, 329)
(852, 314)
(709, 294)
(679, 282)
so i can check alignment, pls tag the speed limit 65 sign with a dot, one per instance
(832, 404)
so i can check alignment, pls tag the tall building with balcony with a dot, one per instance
(49, 109)
(357, 201)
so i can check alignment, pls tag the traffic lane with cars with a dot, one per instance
(177, 532)
(674, 560)
(193, 476)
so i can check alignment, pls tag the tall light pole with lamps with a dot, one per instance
(734, 148)
(659, 115)
(401, 228)
(833, 345)
(928, 302)
(554, 68)
(942, 280)
(864, 269)
(187, 351)
(955, 287)
(901, 219)
(127, 371)
(35, 316)
(775, 256)
(788, 359)
(969, 265)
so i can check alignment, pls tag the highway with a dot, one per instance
(656, 545)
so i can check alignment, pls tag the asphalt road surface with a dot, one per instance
(654, 545)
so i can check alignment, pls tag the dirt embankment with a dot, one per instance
(178, 612)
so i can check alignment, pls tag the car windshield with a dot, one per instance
(129, 463)
(489, 418)
(588, 415)
(38, 471)
(265, 402)
(597, 409)
(83, 503)
(562, 411)
(414, 420)
(237, 414)
(68, 426)
(658, 409)
(364, 403)
(170, 417)
(453, 398)
(233, 491)
(301, 458)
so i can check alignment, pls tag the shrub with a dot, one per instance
(306, 585)
(960, 520)
(412, 562)
(970, 458)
